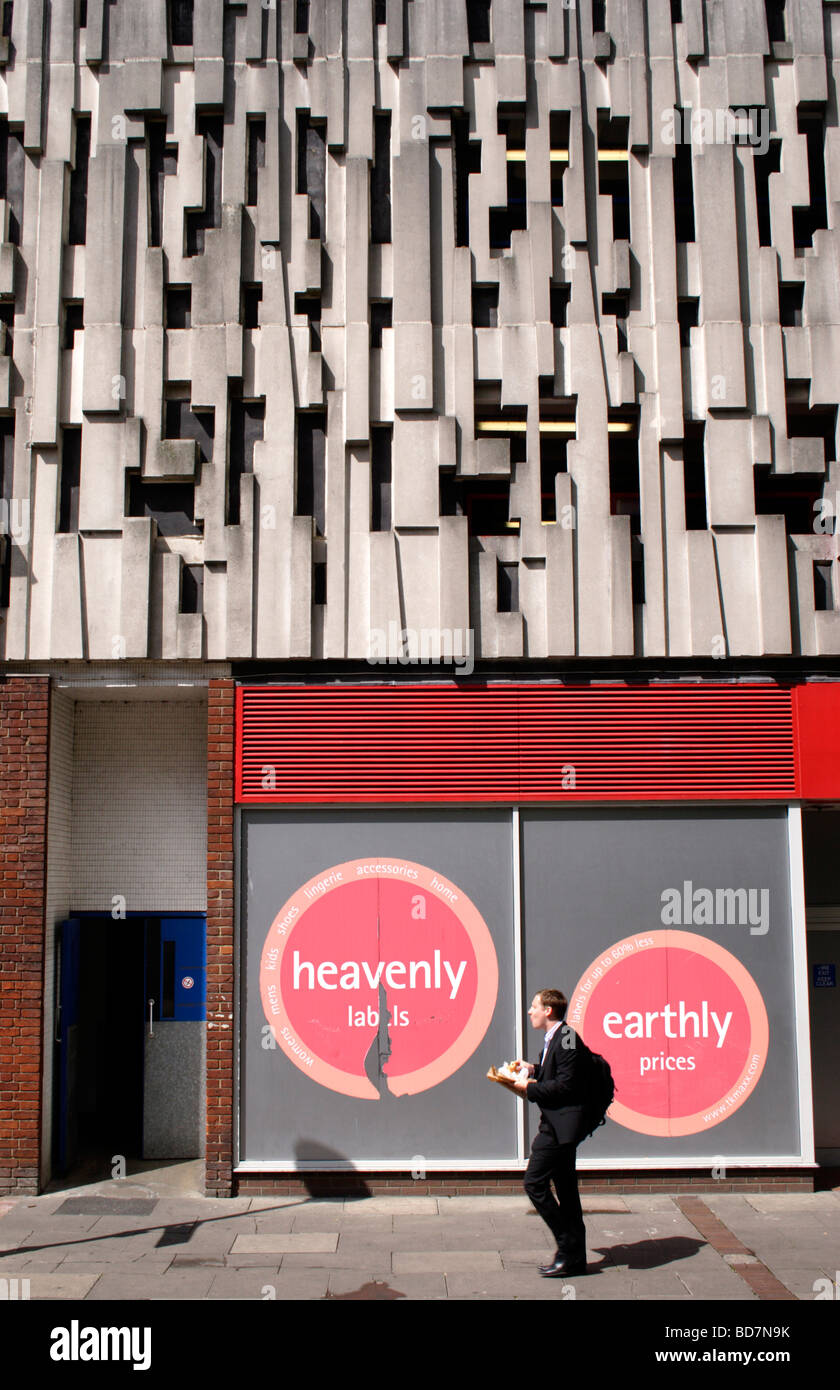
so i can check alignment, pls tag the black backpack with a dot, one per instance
(600, 1089)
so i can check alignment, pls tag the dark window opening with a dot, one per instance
(381, 449)
(793, 496)
(251, 300)
(467, 160)
(192, 599)
(514, 216)
(8, 11)
(79, 183)
(170, 505)
(555, 408)
(491, 419)
(210, 216)
(546, 387)
(599, 16)
(488, 400)
(683, 188)
(823, 587)
(7, 332)
(613, 180)
(311, 480)
(559, 141)
(181, 23)
(380, 180)
(74, 321)
(507, 587)
(485, 306)
(71, 469)
(613, 131)
(807, 220)
(380, 317)
(688, 317)
(775, 11)
(7, 462)
(560, 296)
(676, 11)
(247, 423)
(478, 21)
(82, 14)
(613, 175)
(312, 170)
(810, 422)
(764, 165)
(553, 460)
(380, 15)
(694, 476)
(301, 16)
(256, 157)
(637, 570)
(617, 305)
(790, 304)
(625, 497)
(162, 160)
(511, 124)
(12, 174)
(310, 305)
(484, 502)
(319, 582)
(180, 422)
(178, 306)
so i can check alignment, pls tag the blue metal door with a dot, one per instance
(176, 972)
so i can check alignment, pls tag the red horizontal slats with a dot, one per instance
(513, 743)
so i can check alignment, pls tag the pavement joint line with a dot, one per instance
(738, 1256)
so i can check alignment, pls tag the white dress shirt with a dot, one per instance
(549, 1035)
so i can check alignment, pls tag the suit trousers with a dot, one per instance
(549, 1163)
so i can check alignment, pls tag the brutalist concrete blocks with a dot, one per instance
(395, 219)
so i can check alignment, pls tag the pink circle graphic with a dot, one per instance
(681, 1023)
(378, 965)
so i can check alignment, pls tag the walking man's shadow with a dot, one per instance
(647, 1254)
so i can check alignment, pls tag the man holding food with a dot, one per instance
(558, 1087)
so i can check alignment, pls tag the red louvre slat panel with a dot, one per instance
(413, 743)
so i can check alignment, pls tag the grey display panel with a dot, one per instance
(587, 879)
(591, 878)
(287, 1116)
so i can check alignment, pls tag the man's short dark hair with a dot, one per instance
(555, 1000)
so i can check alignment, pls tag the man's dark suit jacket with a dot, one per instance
(559, 1087)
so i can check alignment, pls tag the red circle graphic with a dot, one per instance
(378, 967)
(681, 1023)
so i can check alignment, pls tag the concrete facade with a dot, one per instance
(520, 318)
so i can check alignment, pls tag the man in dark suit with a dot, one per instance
(559, 1089)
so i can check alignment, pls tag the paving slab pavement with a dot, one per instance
(116, 1242)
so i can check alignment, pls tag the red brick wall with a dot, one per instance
(24, 723)
(495, 1184)
(220, 722)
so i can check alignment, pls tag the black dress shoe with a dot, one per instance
(563, 1266)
